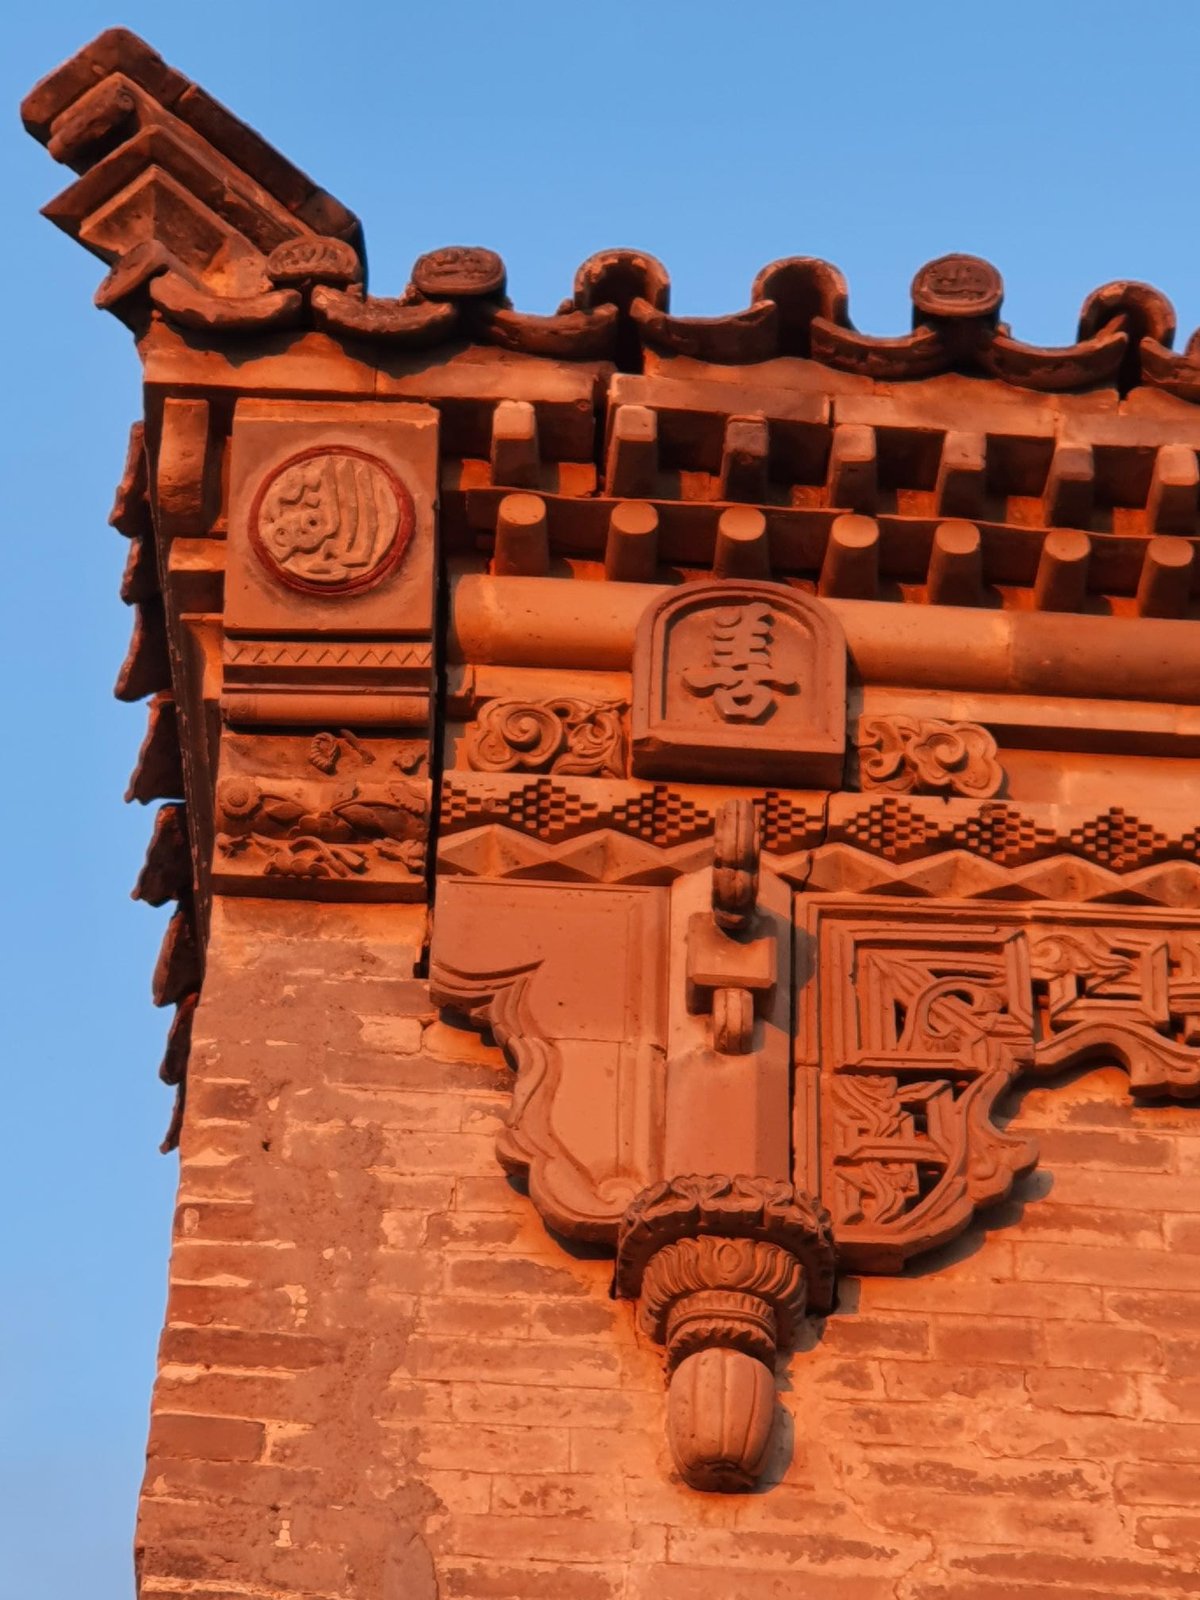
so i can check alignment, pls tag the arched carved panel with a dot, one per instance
(740, 682)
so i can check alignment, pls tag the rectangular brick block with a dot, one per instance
(1102, 1345)
(467, 1579)
(1151, 1483)
(471, 1447)
(232, 1347)
(206, 1438)
(1072, 1389)
(519, 1361)
(867, 1336)
(999, 1340)
(521, 1405)
(1115, 1265)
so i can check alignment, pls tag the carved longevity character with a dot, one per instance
(740, 674)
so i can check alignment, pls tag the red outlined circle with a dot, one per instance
(383, 564)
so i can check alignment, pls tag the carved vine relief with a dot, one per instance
(358, 814)
(295, 837)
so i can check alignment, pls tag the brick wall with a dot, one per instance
(382, 1380)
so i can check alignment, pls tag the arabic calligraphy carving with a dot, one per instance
(331, 520)
(957, 286)
(740, 676)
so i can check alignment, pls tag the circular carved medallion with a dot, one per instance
(458, 271)
(331, 520)
(957, 286)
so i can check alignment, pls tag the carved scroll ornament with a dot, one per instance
(565, 735)
(909, 755)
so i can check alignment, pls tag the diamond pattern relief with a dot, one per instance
(891, 827)
(543, 808)
(1003, 834)
(662, 817)
(1118, 840)
(786, 826)
(547, 809)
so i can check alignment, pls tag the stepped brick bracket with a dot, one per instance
(779, 741)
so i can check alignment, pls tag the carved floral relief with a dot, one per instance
(298, 835)
(345, 815)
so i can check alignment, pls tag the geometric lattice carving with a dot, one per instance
(663, 816)
(552, 810)
(787, 826)
(916, 1026)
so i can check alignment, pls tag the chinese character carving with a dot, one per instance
(740, 674)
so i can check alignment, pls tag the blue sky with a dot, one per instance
(1058, 139)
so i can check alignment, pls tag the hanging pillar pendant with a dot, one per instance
(724, 1269)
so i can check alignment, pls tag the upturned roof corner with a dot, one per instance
(170, 182)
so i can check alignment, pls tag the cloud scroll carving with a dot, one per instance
(911, 755)
(566, 734)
